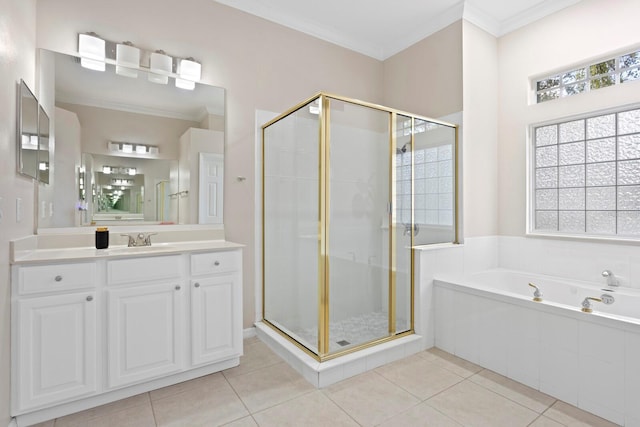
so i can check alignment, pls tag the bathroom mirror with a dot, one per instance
(108, 119)
(44, 127)
(27, 135)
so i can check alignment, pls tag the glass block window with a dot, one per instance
(434, 174)
(618, 70)
(586, 176)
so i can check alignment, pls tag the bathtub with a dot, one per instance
(591, 360)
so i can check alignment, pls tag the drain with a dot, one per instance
(343, 343)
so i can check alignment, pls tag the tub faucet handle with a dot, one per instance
(612, 280)
(586, 304)
(536, 294)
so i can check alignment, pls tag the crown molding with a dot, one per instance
(533, 14)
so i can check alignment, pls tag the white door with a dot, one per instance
(214, 319)
(211, 188)
(57, 348)
(145, 332)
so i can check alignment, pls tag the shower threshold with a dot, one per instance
(323, 374)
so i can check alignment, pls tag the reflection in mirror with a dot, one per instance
(27, 143)
(105, 119)
(43, 146)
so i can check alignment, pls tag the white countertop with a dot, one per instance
(91, 253)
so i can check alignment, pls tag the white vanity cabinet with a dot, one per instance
(55, 334)
(216, 311)
(88, 333)
(145, 318)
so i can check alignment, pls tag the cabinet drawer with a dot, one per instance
(145, 269)
(215, 262)
(56, 277)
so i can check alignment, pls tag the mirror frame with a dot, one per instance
(44, 134)
(23, 90)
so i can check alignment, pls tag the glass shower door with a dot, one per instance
(291, 231)
(358, 224)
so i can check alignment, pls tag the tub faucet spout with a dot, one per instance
(612, 280)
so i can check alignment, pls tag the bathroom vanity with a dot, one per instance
(93, 326)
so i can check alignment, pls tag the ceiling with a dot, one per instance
(382, 28)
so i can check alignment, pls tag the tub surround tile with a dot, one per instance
(632, 376)
(309, 410)
(519, 393)
(569, 415)
(482, 407)
(601, 354)
(523, 347)
(421, 415)
(559, 357)
(370, 398)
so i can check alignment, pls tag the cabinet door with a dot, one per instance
(145, 328)
(56, 356)
(216, 331)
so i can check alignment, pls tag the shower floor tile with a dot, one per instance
(349, 332)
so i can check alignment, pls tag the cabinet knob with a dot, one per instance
(58, 278)
(197, 285)
(178, 287)
(90, 298)
(217, 263)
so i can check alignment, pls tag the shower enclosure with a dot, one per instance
(340, 179)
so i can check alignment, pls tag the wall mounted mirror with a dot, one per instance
(44, 127)
(105, 119)
(27, 135)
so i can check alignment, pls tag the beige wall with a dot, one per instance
(426, 78)
(262, 65)
(589, 30)
(17, 60)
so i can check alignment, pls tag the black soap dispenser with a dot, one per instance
(102, 238)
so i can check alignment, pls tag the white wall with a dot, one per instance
(480, 145)
(17, 60)
(591, 29)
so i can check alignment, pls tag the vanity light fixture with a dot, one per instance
(160, 66)
(127, 59)
(185, 84)
(189, 69)
(95, 52)
(43, 166)
(92, 51)
(106, 170)
(132, 148)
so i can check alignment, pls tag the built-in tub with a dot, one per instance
(591, 360)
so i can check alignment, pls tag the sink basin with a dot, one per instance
(130, 250)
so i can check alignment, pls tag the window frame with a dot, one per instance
(531, 177)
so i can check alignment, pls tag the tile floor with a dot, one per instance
(432, 388)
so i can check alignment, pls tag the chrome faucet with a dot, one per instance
(140, 239)
(612, 280)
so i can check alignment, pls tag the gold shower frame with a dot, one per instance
(323, 245)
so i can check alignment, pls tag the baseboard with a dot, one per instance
(249, 333)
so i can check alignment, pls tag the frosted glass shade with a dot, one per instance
(92, 52)
(161, 66)
(185, 84)
(190, 70)
(127, 59)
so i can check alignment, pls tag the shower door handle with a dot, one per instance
(408, 230)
